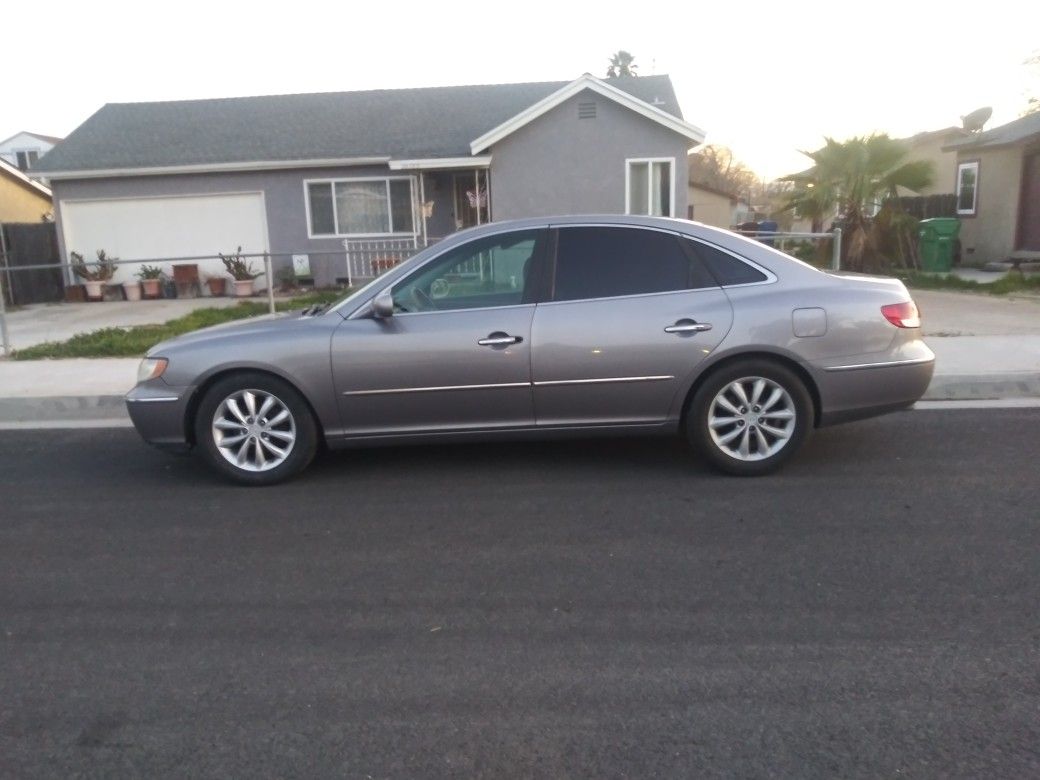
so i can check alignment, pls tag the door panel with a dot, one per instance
(1029, 209)
(426, 371)
(611, 361)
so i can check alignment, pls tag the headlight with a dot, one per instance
(151, 368)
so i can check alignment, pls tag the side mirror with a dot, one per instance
(383, 304)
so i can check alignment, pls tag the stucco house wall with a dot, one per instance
(560, 164)
(21, 203)
(989, 235)
(711, 208)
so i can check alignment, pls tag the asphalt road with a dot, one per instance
(590, 609)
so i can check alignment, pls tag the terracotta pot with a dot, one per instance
(132, 290)
(151, 287)
(243, 288)
(217, 286)
(95, 290)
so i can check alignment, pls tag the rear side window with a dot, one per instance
(606, 262)
(724, 267)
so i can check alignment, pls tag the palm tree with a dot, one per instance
(621, 64)
(854, 176)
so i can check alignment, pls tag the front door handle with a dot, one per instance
(688, 326)
(499, 339)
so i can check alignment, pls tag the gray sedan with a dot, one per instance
(573, 326)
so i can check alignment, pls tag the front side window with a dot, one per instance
(491, 271)
(967, 187)
(607, 262)
(367, 207)
(649, 187)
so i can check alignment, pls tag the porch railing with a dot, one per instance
(368, 258)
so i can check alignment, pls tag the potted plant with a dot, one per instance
(286, 279)
(94, 275)
(217, 285)
(241, 271)
(132, 290)
(151, 280)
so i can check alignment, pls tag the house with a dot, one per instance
(932, 146)
(998, 192)
(23, 149)
(711, 206)
(303, 174)
(21, 198)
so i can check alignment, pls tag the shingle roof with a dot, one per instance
(399, 123)
(1012, 133)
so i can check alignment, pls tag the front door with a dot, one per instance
(456, 354)
(472, 199)
(631, 316)
(1029, 208)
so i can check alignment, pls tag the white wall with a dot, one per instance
(20, 143)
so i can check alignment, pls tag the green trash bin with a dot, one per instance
(936, 238)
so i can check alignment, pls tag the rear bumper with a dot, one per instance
(158, 412)
(853, 391)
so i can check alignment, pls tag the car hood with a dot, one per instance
(252, 326)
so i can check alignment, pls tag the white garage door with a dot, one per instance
(186, 226)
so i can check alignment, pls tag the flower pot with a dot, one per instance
(151, 287)
(217, 286)
(95, 290)
(243, 288)
(132, 290)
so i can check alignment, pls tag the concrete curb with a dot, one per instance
(97, 408)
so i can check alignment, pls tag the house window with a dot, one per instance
(967, 187)
(25, 160)
(361, 207)
(649, 187)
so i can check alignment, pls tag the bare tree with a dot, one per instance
(716, 167)
(1033, 102)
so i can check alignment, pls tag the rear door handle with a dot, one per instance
(688, 326)
(499, 339)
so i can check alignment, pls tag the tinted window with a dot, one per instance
(604, 262)
(492, 271)
(725, 267)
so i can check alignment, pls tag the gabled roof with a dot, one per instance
(46, 138)
(333, 128)
(607, 90)
(9, 170)
(1022, 129)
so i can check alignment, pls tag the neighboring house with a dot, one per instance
(23, 149)
(21, 198)
(932, 146)
(711, 206)
(303, 174)
(998, 192)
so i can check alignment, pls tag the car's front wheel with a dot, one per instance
(255, 428)
(750, 417)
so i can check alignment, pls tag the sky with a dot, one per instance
(763, 78)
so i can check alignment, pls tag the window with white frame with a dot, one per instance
(967, 187)
(649, 187)
(26, 159)
(361, 207)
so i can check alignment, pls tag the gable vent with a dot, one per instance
(587, 110)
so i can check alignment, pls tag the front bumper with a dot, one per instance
(855, 390)
(159, 412)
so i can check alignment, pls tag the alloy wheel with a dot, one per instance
(752, 418)
(254, 430)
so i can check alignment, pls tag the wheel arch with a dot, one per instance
(782, 360)
(192, 407)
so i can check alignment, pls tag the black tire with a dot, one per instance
(759, 460)
(304, 428)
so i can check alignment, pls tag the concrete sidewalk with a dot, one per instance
(986, 348)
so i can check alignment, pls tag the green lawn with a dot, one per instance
(1011, 283)
(135, 341)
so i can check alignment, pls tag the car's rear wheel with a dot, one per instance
(255, 429)
(749, 417)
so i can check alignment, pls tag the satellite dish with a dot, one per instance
(974, 121)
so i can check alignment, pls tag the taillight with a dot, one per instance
(902, 315)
